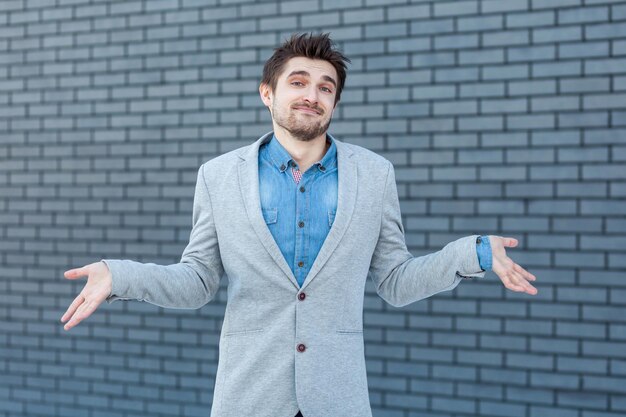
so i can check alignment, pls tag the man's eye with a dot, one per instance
(296, 82)
(327, 89)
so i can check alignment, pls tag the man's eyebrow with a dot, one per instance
(306, 74)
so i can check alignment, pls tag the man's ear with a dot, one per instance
(265, 92)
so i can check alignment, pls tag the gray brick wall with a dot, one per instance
(503, 117)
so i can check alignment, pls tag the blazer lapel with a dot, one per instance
(346, 199)
(248, 171)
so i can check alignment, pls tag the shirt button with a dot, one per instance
(302, 189)
(322, 168)
(478, 240)
(301, 296)
(282, 167)
(301, 264)
(301, 347)
(301, 224)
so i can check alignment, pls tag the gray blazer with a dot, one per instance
(284, 348)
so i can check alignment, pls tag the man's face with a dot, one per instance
(304, 99)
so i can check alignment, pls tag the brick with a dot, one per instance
(553, 69)
(491, 6)
(385, 30)
(433, 59)
(481, 57)
(364, 48)
(557, 34)
(582, 15)
(388, 62)
(407, 77)
(408, 12)
(456, 41)
(603, 101)
(504, 105)
(480, 123)
(555, 4)
(529, 395)
(541, 18)
(455, 107)
(431, 26)
(583, 50)
(530, 121)
(603, 31)
(554, 103)
(532, 87)
(587, 119)
(531, 53)
(506, 38)
(430, 92)
(480, 23)
(455, 8)
(456, 74)
(506, 72)
(604, 66)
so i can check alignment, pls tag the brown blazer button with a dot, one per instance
(301, 296)
(301, 348)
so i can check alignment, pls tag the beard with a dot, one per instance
(298, 125)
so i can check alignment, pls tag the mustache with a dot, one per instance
(317, 109)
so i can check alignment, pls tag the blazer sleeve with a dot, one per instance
(400, 278)
(189, 284)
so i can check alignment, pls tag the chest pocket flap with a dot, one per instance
(270, 215)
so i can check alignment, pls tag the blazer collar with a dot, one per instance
(248, 171)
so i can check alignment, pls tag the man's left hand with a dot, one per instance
(511, 274)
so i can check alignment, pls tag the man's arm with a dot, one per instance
(401, 279)
(191, 283)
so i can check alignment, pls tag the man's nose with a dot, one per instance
(311, 95)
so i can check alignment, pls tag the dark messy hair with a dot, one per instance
(314, 47)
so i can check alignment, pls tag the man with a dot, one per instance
(297, 221)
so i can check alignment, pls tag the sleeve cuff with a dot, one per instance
(483, 250)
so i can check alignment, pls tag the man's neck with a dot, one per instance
(305, 153)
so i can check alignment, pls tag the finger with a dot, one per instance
(514, 286)
(78, 316)
(510, 242)
(72, 308)
(527, 275)
(76, 273)
(513, 281)
(509, 282)
(520, 280)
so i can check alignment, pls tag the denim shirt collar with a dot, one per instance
(280, 158)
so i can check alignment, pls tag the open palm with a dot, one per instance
(511, 274)
(95, 291)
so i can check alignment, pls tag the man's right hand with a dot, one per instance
(97, 289)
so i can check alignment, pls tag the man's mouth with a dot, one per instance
(307, 110)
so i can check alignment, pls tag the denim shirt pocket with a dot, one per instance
(270, 215)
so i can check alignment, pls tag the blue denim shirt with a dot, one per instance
(300, 214)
